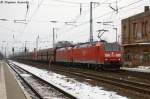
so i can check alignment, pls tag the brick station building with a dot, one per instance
(136, 39)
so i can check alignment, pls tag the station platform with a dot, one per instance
(140, 70)
(10, 88)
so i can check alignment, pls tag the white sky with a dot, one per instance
(38, 21)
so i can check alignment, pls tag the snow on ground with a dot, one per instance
(145, 69)
(78, 89)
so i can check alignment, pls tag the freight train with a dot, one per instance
(100, 54)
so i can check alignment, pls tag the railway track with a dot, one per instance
(41, 88)
(142, 88)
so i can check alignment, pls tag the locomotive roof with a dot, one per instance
(45, 49)
(79, 45)
(89, 43)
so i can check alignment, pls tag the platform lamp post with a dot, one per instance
(6, 50)
(25, 47)
(37, 41)
(53, 37)
(36, 48)
(13, 48)
(53, 33)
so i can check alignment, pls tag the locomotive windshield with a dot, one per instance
(111, 46)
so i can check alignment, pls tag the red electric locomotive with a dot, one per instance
(96, 55)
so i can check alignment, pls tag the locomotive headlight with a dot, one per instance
(118, 55)
(106, 59)
(107, 55)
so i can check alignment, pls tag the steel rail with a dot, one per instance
(38, 94)
(60, 90)
(136, 86)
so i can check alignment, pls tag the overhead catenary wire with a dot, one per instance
(34, 13)
(119, 24)
(100, 16)
(62, 1)
(70, 2)
(87, 11)
(121, 8)
(110, 12)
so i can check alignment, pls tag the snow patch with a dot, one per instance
(145, 69)
(78, 89)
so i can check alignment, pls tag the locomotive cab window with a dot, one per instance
(107, 46)
(111, 47)
(115, 47)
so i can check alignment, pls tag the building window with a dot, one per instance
(143, 30)
(135, 27)
(125, 34)
(146, 28)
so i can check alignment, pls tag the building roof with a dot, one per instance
(139, 15)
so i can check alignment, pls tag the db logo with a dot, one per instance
(112, 54)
